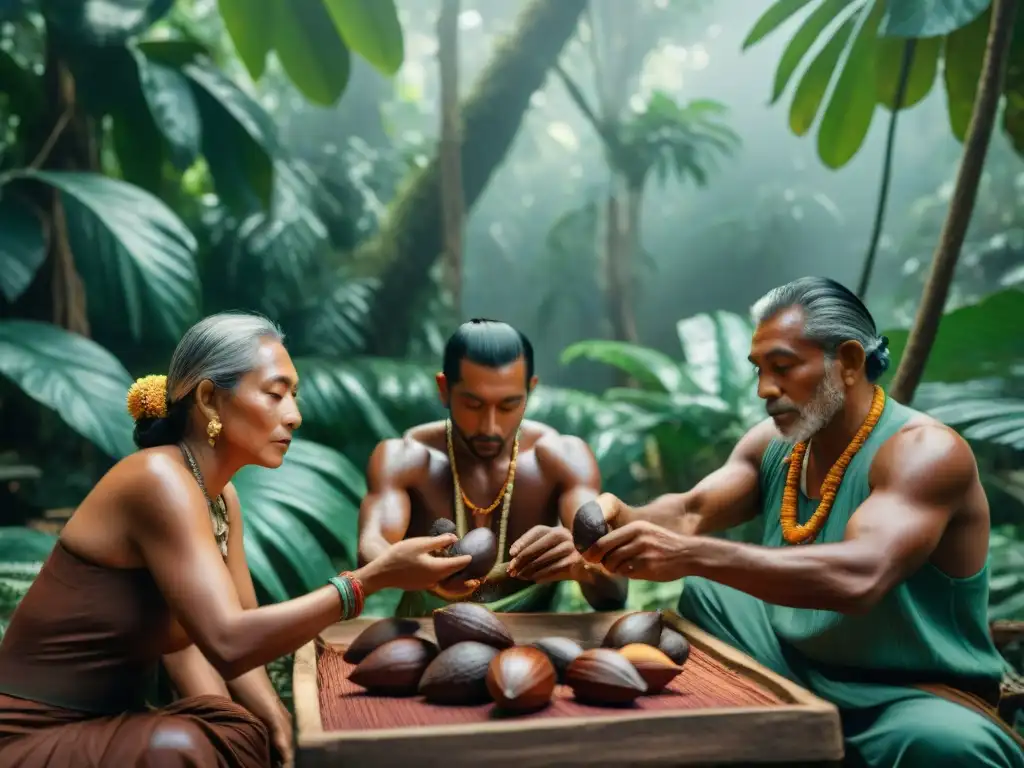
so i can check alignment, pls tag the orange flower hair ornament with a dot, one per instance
(147, 398)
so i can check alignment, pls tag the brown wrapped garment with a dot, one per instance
(76, 665)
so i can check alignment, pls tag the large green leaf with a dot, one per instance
(103, 22)
(1013, 89)
(923, 67)
(371, 29)
(311, 49)
(974, 342)
(651, 368)
(851, 106)
(929, 18)
(999, 421)
(963, 52)
(776, 15)
(802, 41)
(136, 257)
(22, 246)
(252, 33)
(813, 85)
(73, 376)
(173, 107)
(302, 512)
(716, 346)
(239, 140)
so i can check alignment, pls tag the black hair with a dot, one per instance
(170, 430)
(490, 343)
(833, 315)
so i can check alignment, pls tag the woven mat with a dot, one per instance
(704, 683)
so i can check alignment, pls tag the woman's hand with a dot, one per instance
(281, 738)
(410, 565)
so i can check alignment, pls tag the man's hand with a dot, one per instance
(544, 554)
(281, 739)
(641, 550)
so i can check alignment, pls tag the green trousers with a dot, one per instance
(883, 726)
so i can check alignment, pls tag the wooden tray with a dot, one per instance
(796, 729)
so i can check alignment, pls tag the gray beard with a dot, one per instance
(828, 401)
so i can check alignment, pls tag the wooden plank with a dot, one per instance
(806, 730)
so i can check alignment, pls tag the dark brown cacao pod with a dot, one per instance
(376, 635)
(561, 651)
(482, 545)
(459, 622)
(604, 677)
(636, 627)
(674, 645)
(458, 675)
(395, 668)
(588, 525)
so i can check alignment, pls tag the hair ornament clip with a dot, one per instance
(147, 398)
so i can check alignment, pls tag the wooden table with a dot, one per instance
(795, 729)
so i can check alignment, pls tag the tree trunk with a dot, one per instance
(408, 246)
(621, 210)
(452, 201)
(979, 133)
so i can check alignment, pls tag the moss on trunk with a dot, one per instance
(410, 242)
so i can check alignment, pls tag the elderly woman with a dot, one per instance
(151, 566)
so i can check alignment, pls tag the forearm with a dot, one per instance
(689, 514)
(833, 577)
(255, 692)
(253, 638)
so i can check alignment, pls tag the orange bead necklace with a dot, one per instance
(793, 532)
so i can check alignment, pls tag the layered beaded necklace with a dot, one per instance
(462, 501)
(795, 533)
(218, 509)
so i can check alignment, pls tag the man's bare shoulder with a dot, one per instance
(433, 436)
(925, 457)
(399, 460)
(564, 457)
(751, 447)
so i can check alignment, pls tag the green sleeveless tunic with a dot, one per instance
(930, 628)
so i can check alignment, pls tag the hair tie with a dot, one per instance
(884, 345)
(147, 398)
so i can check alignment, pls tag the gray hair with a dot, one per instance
(833, 315)
(221, 348)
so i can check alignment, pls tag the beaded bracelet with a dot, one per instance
(351, 592)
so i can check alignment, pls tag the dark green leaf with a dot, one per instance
(371, 29)
(73, 376)
(805, 37)
(929, 18)
(923, 68)
(814, 83)
(311, 49)
(847, 117)
(22, 246)
(24, 545)
(262, 570)
(174, 53)
(131, 249)
(251, 32)
(1013, 89)
(777, 15)
(22, 88)
(959, 354)
(651, 368)
(716, 346)
(243, 176)
(964, 51)
(173, 107)
(103, 22)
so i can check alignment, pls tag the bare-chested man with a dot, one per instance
(412, 481)
(871, 584)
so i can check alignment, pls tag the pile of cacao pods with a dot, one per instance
(477, 661)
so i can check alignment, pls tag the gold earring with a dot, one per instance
(213, 428)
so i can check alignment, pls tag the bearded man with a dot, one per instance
(486, 466)
(870, 587)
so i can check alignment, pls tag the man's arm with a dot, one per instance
(921, 479)
(571, 464)
(395, 466)
(384, 512)
(724, 499)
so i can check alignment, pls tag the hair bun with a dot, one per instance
(147, 398)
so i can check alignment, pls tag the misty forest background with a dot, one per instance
(621, 180)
